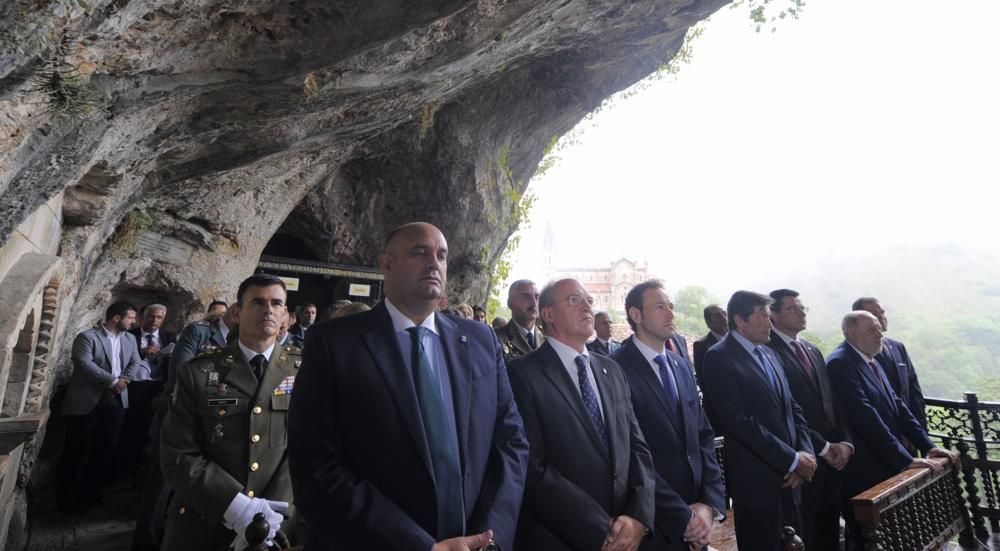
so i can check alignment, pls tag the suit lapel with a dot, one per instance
(555, 372)
(105, 346)
(750, 363)
(380, 340)
(456, 355)
(604, 386)
(655, 386)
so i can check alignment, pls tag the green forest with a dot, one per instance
(942, 302)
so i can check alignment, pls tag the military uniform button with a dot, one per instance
(249, 493)
(255, 438)
(222, 412)
(182, 511)
(257, 410)
(254, 466)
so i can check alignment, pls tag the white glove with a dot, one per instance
(240, 514)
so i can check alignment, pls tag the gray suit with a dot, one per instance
(92, 370)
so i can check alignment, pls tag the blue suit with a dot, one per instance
(360, 464)
(764, 431)
(683, 449)
(903, 378)
(877, 418)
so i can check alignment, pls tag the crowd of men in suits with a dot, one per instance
(402, 427)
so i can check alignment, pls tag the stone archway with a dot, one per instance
(30, 293)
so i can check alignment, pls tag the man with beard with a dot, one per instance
(896, 363)
(521, 334)
(104, 359)
(689, 493)
(877, 417)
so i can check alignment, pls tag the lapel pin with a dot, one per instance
(605, 370)
(463, 339)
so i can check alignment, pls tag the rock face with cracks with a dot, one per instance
(213, 125)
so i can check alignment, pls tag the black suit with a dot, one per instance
(575, 486)
(764, 431)
(598, 347)
(821, 497)
(359, 457)
(903, 378)
(683, 447)
(700, 347)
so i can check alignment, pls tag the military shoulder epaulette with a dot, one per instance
(202, 322)
(208, 353)
(292, 349)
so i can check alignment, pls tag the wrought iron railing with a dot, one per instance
(973, 429)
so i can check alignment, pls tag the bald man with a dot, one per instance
(403, 430)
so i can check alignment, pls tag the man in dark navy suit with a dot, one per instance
(718, 326)
(809, 382)
(403, 432)
(896, 363)
(877, 417)
(689, 493)
(769, 453)
(590, 477)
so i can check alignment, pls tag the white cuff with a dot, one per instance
(113, 382)
(236, 506)
(826, 448)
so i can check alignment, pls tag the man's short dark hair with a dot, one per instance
(478, 308)
(779, 295)
(307, 305)
(634, 297)
(215, 303)
(743, 303)
(707, 312)
(861, 302)
(258, 280)
(120, 308)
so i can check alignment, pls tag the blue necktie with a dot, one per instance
(530, 337)
(590, 400)
(444, 455)
(669, 385)
(769, 370)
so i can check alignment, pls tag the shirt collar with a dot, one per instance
(155, 334)
(521, 329)
(864, 356)
(717, 336)
(744, 342)
(567, 354)
(109, 334)
(788, 340)
(401, 323)
(249, 354)
(646, 351)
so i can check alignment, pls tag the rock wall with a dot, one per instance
(215, 124)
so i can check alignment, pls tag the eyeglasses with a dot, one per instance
(576, 300)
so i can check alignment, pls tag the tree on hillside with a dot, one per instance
(689, 307)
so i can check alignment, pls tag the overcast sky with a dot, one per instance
(862, 124)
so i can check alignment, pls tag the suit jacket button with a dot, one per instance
(257, 410)
(254, 466)
(249, 493)
(255, 438)
(181, 511)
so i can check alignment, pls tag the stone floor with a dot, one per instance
(108, 528)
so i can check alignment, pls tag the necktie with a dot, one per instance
(769, 370)
(440, 443)
(149, 340)
(259, 365)
(878, 376)
(590, 400)
(671, 345)
(804, 360)
(530, 337)
(669, 385)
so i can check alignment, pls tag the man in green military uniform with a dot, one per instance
(222, 445)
